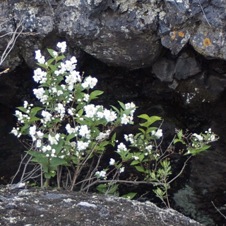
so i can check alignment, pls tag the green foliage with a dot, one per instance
(69, 135)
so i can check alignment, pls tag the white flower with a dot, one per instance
(103, 135)
(90, 110)
(122, 169)
(89, 82)
(55, 54)
(70, 111)
(158, 133)
(60, 109)
(46, 116)
(112, 162)
(40, 76)
(81, 146)
(15, 132)
(54, 139)
(53, 153)
(46, 148)
(149, 148)
(100, 114)
(38, 143)
(39, 57)
(86, 97)
(121, 147)
(73, 60)
(101, 174)
(40, 134)
(59, 92)
(32, 132)
(212, 138)
(135, 157)
(69, 129)
(72, 79)
(70, 67)
(20, 116)
(84, 131)
(197, 137)
(110, 116)
(62, 46)
(40, 94)
(129, 138)
(130, 106)
(25, 104)
(125, 119)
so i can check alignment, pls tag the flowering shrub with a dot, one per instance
(68, 135)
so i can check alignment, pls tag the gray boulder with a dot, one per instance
(127, 33)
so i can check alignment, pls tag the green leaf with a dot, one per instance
(102, 188)
(58, 58)
(159, 193)
(52, 67)
(178, 141)
(95, 94)
(144, 116)
(24, 129)
(34, 111)
(149, 120)
(22, 109)
(51, 52)
(55, 162)
(140, 169)
(115, 109)
(180, 135)
(33, 119)
(122, 105)
(179, 138)
(113, 138)
(49, 175)
(142, 130)
(141, 158)
(129, 195)
(153, 175)
(165, 164)
(112, 189)
(80, 113)
(134, 162)
(196, 151)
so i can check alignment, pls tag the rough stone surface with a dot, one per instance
(182, 67)
(127, 33)
(35, 207)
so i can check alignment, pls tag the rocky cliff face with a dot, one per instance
(127, 33)
(177, 46)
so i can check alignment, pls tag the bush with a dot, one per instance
(68, 135)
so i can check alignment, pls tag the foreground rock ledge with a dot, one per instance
(38, 207)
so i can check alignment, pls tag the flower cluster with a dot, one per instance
(67, 129)
(67, 125)
(97, 112)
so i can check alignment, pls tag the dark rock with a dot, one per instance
(121, 33)
(186, 66)
(164, 69)
(39, 208)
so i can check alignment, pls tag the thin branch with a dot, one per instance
(218, 210)
(180, 171)
(204, 13)
(11, 43)
(5, 71)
